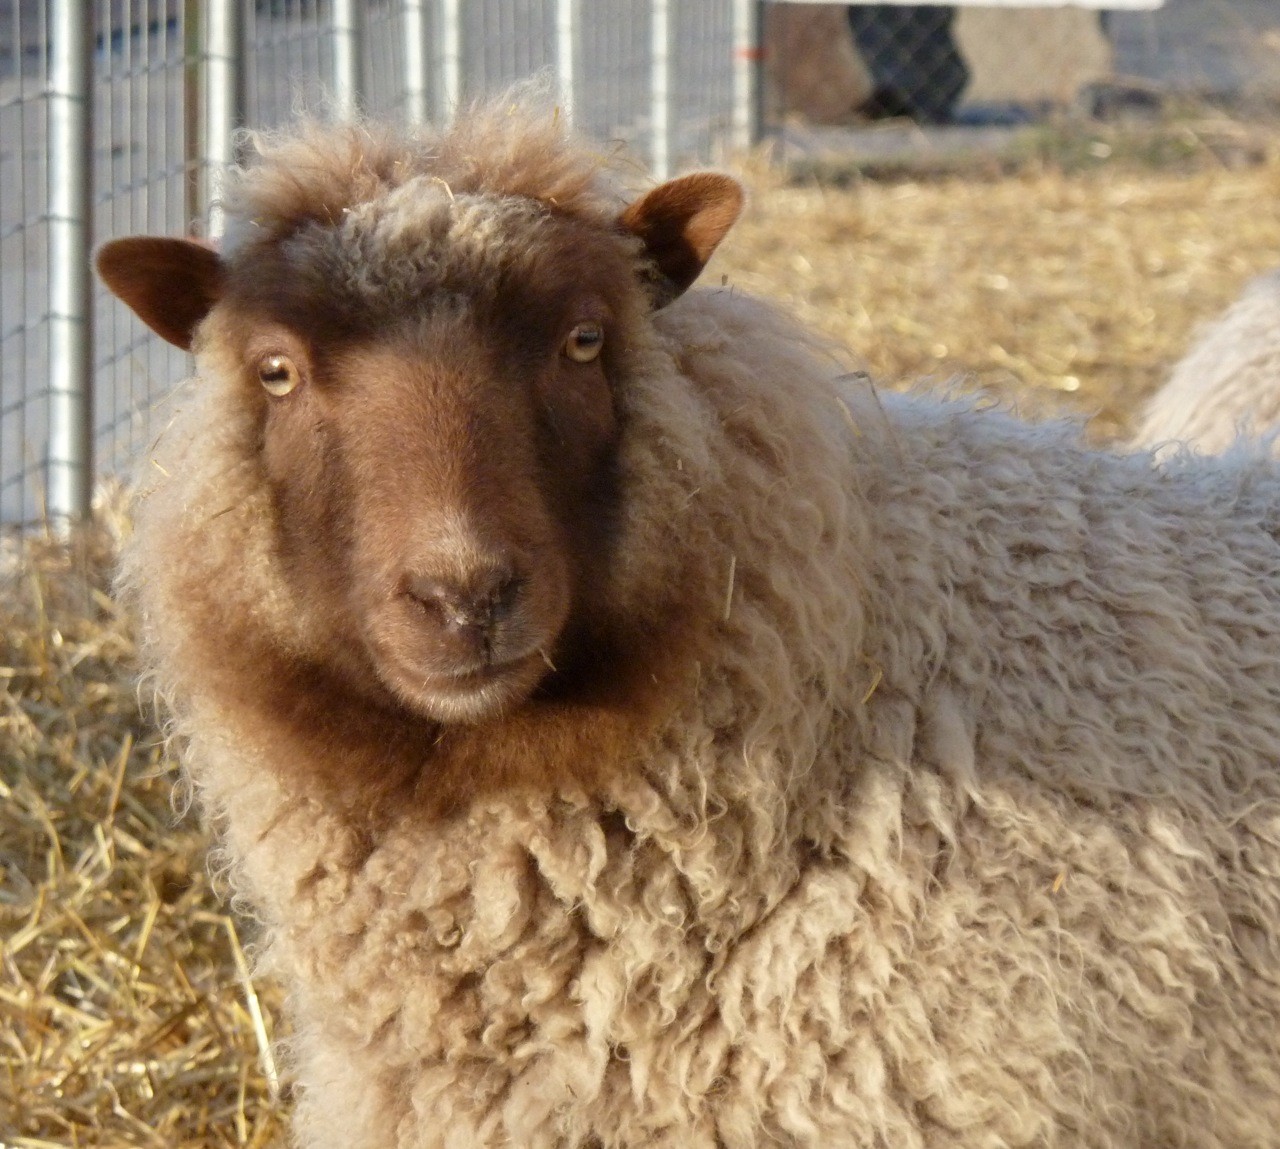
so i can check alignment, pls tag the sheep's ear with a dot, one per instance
(170, 284)
(681, 223)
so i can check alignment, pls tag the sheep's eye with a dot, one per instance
(278, 374)
(584, 342)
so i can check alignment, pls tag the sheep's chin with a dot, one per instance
(467, 699)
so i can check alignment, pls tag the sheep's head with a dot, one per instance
(434, 380)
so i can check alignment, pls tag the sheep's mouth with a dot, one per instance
(470, 695)
(479, 678)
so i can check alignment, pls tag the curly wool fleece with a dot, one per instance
(962, 830)
(1228, 384)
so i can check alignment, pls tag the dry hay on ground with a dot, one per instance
(128, 1015)
(127, 1012)
(1057, 292)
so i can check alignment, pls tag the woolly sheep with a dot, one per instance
(1228, 384)
(632, 733)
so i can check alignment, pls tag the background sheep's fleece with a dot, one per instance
(1228, 384)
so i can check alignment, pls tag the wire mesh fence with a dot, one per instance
(673, 81)
(167, 82)
(23, 244)
(140, 186)
(1011, 60)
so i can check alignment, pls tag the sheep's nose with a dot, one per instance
(466, 608)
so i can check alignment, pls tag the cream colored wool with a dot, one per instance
(964, 832)
(1228, 384)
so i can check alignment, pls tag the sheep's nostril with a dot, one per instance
(468, 607)
(504, 595)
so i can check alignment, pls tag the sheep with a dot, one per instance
(632, 731)
(1228, 384)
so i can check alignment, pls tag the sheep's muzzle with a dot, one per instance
(466, 647)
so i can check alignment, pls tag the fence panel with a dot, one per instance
(140, 185)
(291, 65)
(386, 86)
(152, 126)
(612, 81)
(164, 93)
(1006, 61)
(24, 277)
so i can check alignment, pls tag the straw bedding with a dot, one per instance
(1056, 292)
(128, 1013)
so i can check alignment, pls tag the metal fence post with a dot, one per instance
(450, 58)
(413, 31)
(70, 457)
(748, 54)
(660, 89)
(348, 58)
(566, 36)
(219, 95)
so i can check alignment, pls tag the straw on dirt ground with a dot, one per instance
(128, 1014)
(1057, 291)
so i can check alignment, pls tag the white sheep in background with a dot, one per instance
(631, 735)
(1228, 384)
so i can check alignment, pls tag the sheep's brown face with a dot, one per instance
(468, 568)
(446, 488)
(439, 438)
(436, 382)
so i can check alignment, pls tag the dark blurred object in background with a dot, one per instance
(916, 67)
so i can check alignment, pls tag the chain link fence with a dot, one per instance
(1011, 62)
(115, 115)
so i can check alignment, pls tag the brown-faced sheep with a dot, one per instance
(1228, 384)
(631, 734)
